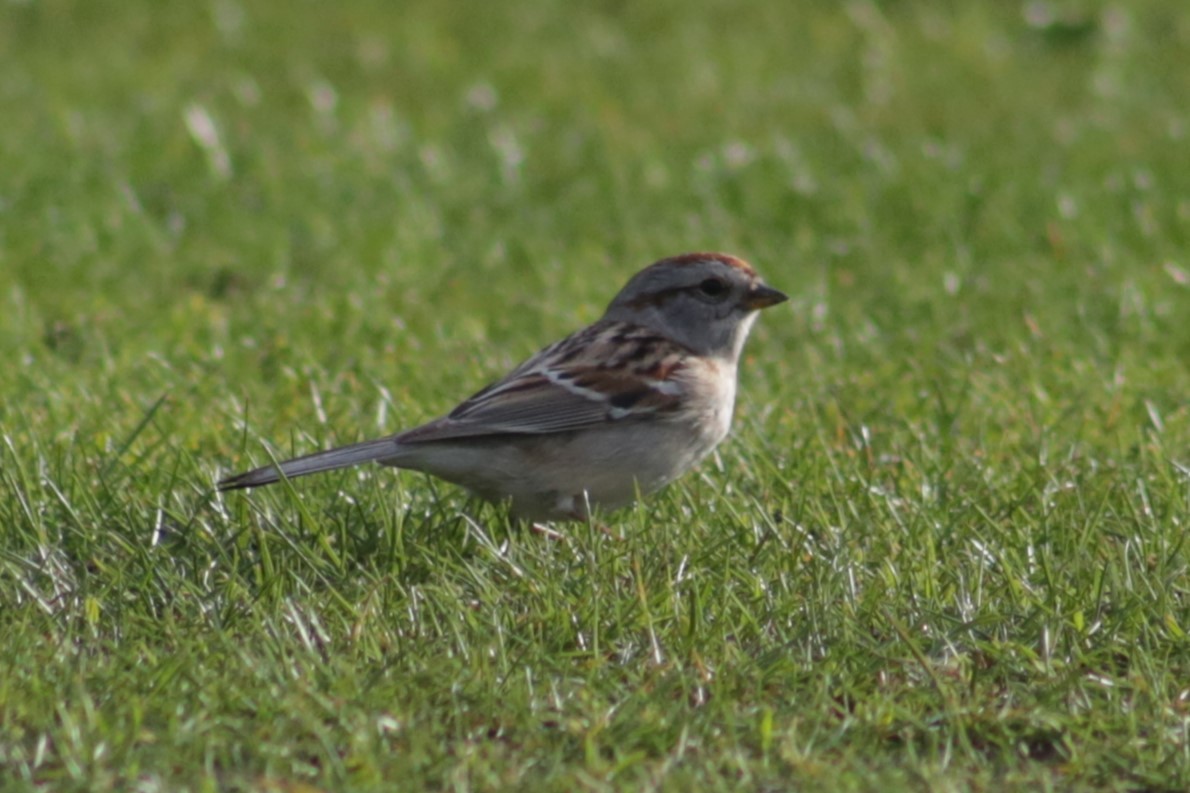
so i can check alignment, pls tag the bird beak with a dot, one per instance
(763, 296)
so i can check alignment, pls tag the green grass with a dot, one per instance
(944, 548)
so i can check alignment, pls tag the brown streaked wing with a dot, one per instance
(559, 391)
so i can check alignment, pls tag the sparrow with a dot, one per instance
(618, 409)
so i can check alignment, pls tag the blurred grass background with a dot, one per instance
(943, 550)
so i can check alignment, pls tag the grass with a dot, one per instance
(944, 549)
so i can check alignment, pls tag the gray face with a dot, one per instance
(705, 301)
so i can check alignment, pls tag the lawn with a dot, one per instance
(944, 548)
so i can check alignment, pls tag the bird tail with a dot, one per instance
(328, 460)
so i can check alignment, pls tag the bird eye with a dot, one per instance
(712, 287)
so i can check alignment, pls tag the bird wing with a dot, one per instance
(609, 372)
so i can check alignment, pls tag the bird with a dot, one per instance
(616, 410)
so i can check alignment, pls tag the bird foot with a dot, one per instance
(546, 531)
